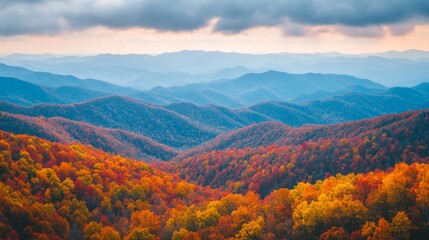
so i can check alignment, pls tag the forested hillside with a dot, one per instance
(67, 131)
(185, 125)
(53, 191)
(155, 122)
(307, 154)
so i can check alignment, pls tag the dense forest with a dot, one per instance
(55, 191)
(307, 154)
(62, 130)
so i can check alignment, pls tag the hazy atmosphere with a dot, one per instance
(214, 119)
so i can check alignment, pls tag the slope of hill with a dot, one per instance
(276, 133)
(24, 93)
(157, 123)
(188, 93)
(66, 131)
(53, 191)
(308, 154)
(321, 94)
(422, 87)
(55, 80)
(288, 86)
(257, 87)
(349, 107)
(217, 117)
(185, 125)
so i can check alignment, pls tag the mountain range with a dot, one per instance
(25, 93)
(153, 121)
(243, 91)
(185, 125)
(251, 158)
(224, 146)
(66, 131)
(144, 71)
(253, 88)
(51, 80)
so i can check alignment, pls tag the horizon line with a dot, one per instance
(206, 51)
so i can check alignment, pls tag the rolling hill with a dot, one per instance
(54, 191)
(348, 107)
(24, 93)
(161, 125)
(277, 133)
(69, 185)
(61, 130)
(54, 80)
(261, 163)
(253, 88)
(185, 125)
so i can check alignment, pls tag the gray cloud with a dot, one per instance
(351, 17)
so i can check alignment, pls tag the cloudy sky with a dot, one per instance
(255, 26)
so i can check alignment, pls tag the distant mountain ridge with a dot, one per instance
(55, 80)
(25, 93)
(253, 88)
(246, 90)
(145, 71)
(185, 125)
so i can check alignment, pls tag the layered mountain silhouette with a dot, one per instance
(185, 125)
(253, 88)
(145, 71)
(66, 131)
(55, 80)
(256, 154)
(25, 93)
(153, 121)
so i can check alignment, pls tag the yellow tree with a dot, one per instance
(401, 226)
(252, 230)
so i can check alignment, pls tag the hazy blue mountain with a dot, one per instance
(144, 71)
(24, 93)
(217, 117)
(348, 107)
(54, 80)
(189, 93)
(408, 54)
(149, 80)
(185, 125)
(387, 71)
(422, 87)
(321, 94)
(253, 88)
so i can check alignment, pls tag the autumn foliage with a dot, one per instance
(309, 154)
(53, 191)
(49, 190)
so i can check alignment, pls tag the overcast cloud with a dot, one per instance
(296, 17)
